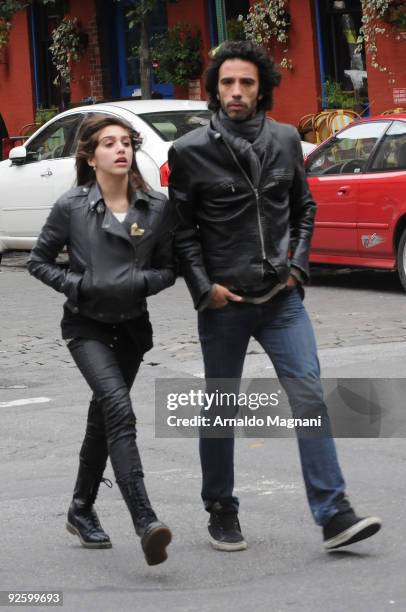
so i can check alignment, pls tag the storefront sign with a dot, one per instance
(399, 95)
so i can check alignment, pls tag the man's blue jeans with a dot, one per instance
(283, 329)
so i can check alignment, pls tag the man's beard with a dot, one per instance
(248, 114)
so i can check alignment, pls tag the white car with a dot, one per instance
(36, 174)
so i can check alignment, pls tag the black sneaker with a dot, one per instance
(225, 532)
(346, 527)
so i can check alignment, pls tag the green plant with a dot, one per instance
(396, 15)
(335, 97)
(177, 55)
(235, 29)
(4, 32)
(8, 8)
(45, 114)
(68, 43)
(268, 21)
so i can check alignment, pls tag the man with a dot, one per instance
(246, 220)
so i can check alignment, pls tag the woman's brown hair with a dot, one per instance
(88, 141)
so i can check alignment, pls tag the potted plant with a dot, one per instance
(235, 29)
(335, 97)
(177, 56)
(45, 114)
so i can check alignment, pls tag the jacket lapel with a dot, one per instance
(135, 228)
(111, 225)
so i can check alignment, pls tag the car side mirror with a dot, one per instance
(18, 155)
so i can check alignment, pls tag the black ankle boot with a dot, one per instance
(155, 536)
(82, 517)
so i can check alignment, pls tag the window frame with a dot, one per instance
(376, 151)
(369, 159)
(67, 147)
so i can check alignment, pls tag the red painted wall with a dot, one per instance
(16, 79)
(392, 54)
(300, 88)
(299, 91)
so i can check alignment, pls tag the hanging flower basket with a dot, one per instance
(396, 15)
(69, 43)
(269, 22)
(381, 18)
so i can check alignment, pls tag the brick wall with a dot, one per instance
(88, 74)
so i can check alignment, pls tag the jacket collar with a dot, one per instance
(94, 196)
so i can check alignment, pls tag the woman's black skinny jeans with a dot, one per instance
(110, 373)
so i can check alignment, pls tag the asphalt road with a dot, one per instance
(360, 323)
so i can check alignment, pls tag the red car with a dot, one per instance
(358, 179)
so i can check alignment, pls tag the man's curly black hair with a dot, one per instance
(248, 51)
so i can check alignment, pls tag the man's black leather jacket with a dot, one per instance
(228, 228)
(112, 268)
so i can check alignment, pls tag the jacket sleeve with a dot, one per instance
(53, 237)
(302, 213)
(187, 238)
(162, 272)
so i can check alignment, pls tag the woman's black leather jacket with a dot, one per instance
(113, 266)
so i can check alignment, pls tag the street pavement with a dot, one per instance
(360, 324)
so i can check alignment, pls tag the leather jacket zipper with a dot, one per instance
(256, 193)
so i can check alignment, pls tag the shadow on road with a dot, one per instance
(365, 280)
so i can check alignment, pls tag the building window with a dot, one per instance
(342, 59)
(128, 40)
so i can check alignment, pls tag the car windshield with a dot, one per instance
(171, 125)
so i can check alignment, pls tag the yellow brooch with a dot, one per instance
(135, 230)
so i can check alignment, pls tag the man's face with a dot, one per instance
(238, 88)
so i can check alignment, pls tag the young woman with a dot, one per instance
(118, 234)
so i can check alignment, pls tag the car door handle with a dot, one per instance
(47, 173)
(343, 190)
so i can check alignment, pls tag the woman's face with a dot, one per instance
(114, 153)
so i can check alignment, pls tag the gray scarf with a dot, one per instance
(246, 140)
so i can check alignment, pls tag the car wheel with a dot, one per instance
(401, 257)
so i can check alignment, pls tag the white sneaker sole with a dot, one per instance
(361, 530)
(227, 546)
